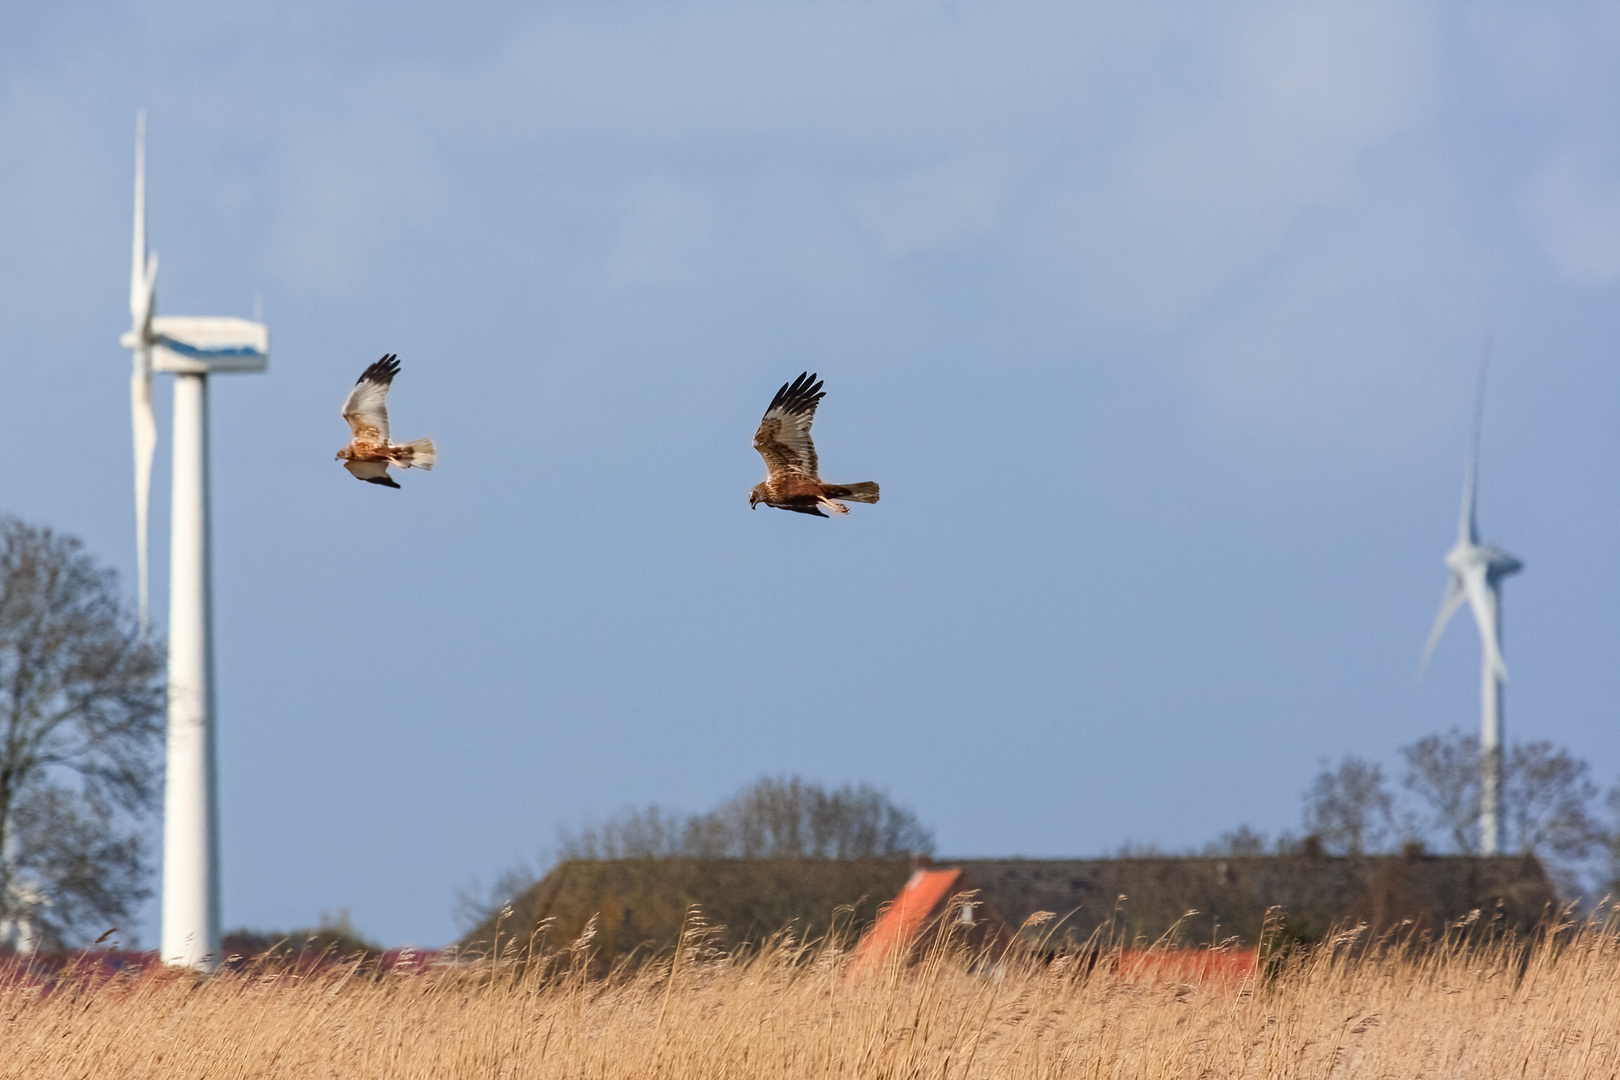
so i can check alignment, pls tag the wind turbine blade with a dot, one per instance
(142, 279)
(145, 428)
(1467, 526)
(1450, 601)
(1468, 522)
(140, 282)
(1482, 600)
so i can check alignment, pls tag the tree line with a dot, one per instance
(772, 818)
(1553, 810)
(1552, 807)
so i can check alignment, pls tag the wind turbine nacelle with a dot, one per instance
(1500, 563)
(203, 345)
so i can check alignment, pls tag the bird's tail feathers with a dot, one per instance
(864, 492)
(420, 454)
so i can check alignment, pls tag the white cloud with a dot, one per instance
(1250, 122)
(1137, 160)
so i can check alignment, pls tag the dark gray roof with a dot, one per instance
(1132, 899)
(640, 903)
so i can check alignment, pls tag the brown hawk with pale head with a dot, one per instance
(783, 440)
(370, 453)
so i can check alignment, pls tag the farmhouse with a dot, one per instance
(640, 904)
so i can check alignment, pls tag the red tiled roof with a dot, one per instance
(1229, 967)
(900, 921)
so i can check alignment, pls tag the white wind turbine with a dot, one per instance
(1477, 571)
(191, 348)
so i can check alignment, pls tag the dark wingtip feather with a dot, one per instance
(800, 395)
(383, 371)
(777, 400)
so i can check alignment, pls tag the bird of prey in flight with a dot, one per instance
(783, 440)
(370, 453)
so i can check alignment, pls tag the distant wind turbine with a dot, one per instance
(191, 348)
(1477, 571)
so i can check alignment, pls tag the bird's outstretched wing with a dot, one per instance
(364, 409)
(783, 438)
(372, 472)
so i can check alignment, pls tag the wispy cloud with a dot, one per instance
(1576, 218)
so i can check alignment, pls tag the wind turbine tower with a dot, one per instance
(1477, 571)
(191, 348)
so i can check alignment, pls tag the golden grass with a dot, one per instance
(1547, 1008)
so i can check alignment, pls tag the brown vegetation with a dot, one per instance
(1540, 1007)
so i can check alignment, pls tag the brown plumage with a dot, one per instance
(370, 453)
(783, 440)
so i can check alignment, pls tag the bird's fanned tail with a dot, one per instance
(420, 454)
(864, 492)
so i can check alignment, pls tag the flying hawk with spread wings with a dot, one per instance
(370, 453)
(783, 440)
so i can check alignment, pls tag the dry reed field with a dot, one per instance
(1549, 1007)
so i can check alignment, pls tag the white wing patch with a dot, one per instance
(783, 438)
(365, 407)
(368, 470)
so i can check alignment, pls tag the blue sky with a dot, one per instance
(1158, 324)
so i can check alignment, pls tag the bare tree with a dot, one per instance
(634, 833)
(1547, 796)
(1549, 800)
(1349, 809)
(1610, 874)
(1242, 841)
(785, 816)
(80, 704)
(774, 817)
(1443, 771)
(474, 904)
